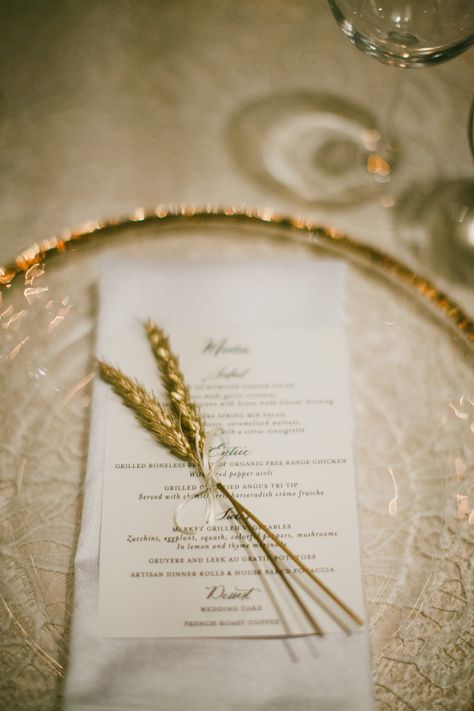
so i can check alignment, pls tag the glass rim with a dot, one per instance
(307, 230)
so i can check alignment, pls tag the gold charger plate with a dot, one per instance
(413, 365)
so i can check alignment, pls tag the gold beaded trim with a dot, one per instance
(310, 232)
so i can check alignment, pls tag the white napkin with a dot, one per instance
(330, 673)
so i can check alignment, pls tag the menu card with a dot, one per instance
(282, 399)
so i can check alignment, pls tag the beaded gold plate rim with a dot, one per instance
(311, 232)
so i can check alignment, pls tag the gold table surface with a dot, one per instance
(106, 106)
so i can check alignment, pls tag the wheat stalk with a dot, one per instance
(173, 381)
(149, 413)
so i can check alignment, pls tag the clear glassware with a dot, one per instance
(407, 34)
(415, 34)
(334, 150)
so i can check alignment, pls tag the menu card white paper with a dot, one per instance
(282, 398)
(287, 321)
